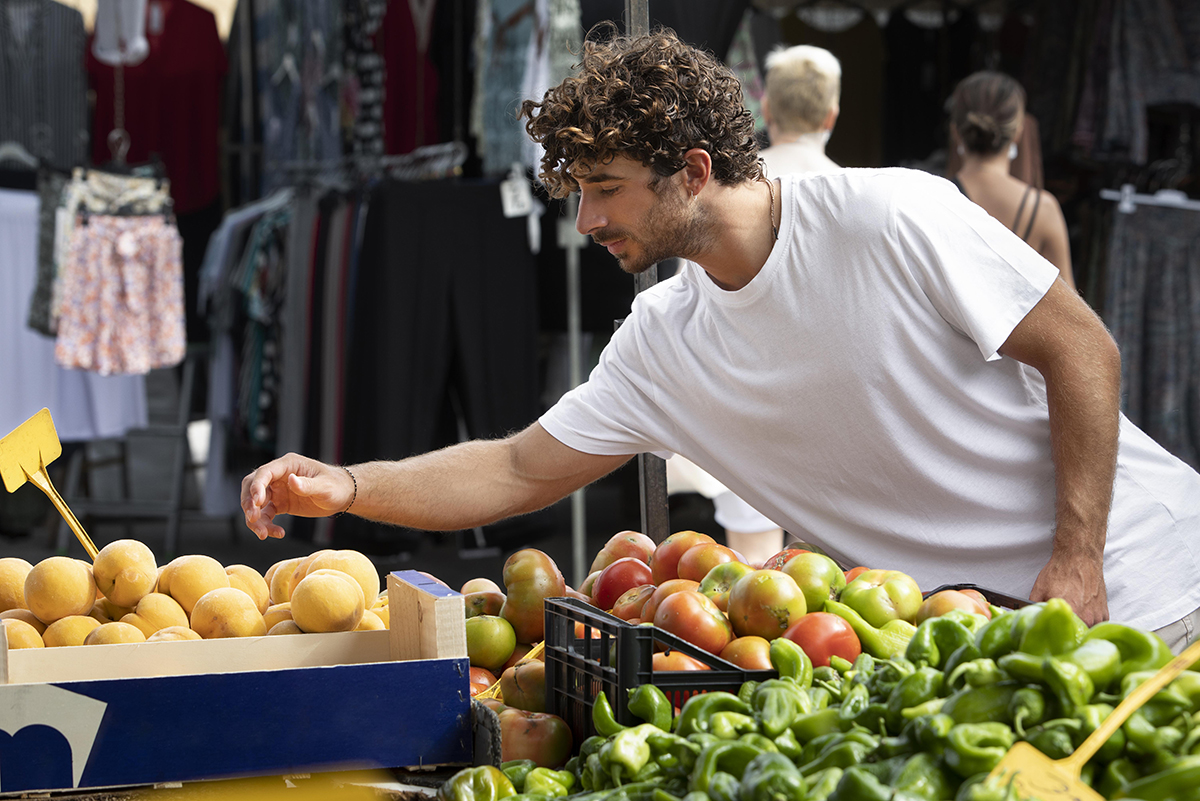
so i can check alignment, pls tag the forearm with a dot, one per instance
(1083, 395)
(475, 483)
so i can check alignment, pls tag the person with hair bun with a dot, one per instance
(987, 111)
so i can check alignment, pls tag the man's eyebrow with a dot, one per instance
(599, 177)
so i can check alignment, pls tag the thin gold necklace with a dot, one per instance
(771, 190)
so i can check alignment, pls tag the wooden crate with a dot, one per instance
(102, 716)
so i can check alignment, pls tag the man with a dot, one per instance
(865, 356)
(800, 109)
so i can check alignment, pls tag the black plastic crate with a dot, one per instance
(615, 656)
(995, 598)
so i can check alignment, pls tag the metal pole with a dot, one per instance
(573, 242)
(245, 22)
(652, 470)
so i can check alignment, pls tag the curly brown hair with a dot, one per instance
(650, 98)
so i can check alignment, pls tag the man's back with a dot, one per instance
(851, 392)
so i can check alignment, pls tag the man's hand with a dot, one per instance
(1079, 580)
(293, 485)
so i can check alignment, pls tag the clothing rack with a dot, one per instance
(429, 161)
(1128, 200)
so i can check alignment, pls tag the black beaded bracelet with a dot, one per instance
(353, 497)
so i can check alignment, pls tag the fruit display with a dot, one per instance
(881, 693)
(125, 597)
(929, 722)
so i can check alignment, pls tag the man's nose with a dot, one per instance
(587, 219)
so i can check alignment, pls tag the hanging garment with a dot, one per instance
(85, 406)
(1152, 308)
(94, 192)
(43, 86)
(51, 185)
(122, 292)
(298, 44)
(439, 318)
(504, 35)
(172, 101)
(363, 87)
(120, 32)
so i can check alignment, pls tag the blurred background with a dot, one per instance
(354, 287)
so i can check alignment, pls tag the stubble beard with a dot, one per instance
(677, 231)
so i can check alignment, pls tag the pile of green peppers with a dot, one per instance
(927, 725)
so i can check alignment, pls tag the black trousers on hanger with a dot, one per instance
(444, 330)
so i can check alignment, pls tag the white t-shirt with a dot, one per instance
(853, 393)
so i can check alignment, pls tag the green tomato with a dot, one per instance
(883, 595)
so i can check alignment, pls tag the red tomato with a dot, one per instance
(623, 543)
(854, 573)
(614, 580)
(942, 602)
(749, 653)
(696, 619)
(544, 738)
(481, 679)
(780, 559)
(666, 588)
(822, 635)
(629, 605)
(699, 559)
(530, 576)
(665, 559)
(984, 603)
(765, 603)
(674, 660)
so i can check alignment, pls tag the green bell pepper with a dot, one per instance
(822, 783)
(923, 684)
(977, 747)
(860, 784)
(1100, 659)
(814, 724)
(873, 717)
(699, 709)
(1023, 666)
(988, 703)
(759, 741)
(627, 752)
(730, 757)
(517, 770)
(887, 674)
(854, 702)
(788, 745)
(1115, 776)
(552, 783)
(983, 787)
(1091, 716)
(975, 673)
(935, 640)
(772, 777)
(931, 732)
(776, 703)
(651, 704)
(675, 754)
(1140, 650)
(604, 721)
(1055, 743)
(923, 776)
(885, 642)
(995, 639)
(842, 754)
(723, 787)
(841, 665)
(1070, 683)
(484, 783)
(790, 661)
(746, 692)
(1026, 707)
(1179, 781)
(731, 725)
(1056, 629)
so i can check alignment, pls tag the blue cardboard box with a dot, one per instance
(101, 716)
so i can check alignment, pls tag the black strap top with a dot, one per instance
(1037, 201)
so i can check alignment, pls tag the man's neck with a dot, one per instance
(744, 233)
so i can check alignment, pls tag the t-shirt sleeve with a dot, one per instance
(612, 413)
(980, 276)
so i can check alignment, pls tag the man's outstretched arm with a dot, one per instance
(1066, 342)
(462, 486)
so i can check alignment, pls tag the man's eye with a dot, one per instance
(609, 191)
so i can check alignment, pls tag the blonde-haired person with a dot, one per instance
(987, 111)
(800, 107)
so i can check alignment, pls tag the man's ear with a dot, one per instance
(831, 118)
(696, 170)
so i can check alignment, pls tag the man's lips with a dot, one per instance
(613, 245)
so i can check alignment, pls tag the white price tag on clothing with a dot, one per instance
(515, 195)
